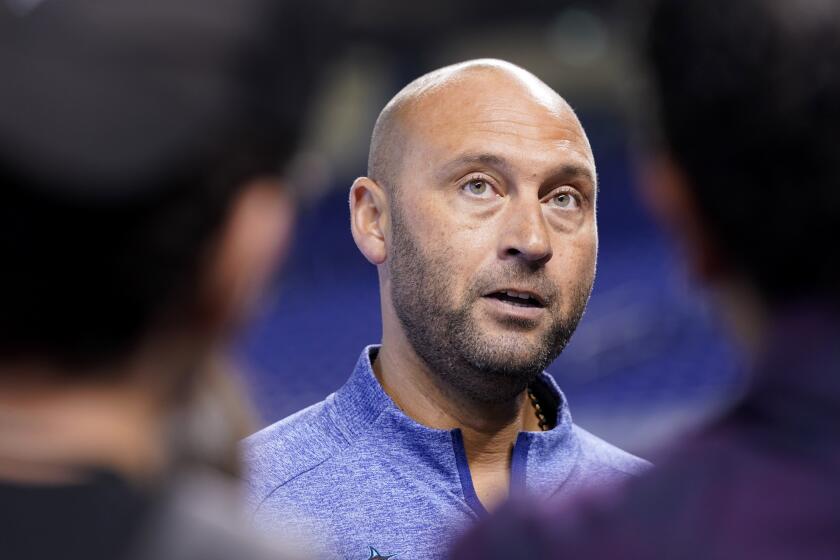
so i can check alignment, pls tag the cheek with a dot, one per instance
(455, 258)
(573, 267)
(454, 248)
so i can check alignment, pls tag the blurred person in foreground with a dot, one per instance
(479, 213)
(747, 178)
(142, 208)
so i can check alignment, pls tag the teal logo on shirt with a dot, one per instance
(375, 555)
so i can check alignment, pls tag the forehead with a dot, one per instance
(494, 113)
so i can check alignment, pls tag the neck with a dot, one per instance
(744, 314)
(53, 425)
(489, 430)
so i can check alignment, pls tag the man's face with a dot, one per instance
(493, 236)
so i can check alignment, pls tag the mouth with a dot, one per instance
(518, 298)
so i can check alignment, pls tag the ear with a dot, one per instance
(667, 193)
(369, 219)
(253, 240)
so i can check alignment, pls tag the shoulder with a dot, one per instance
(598, 454)
(595, 456)
(286, 449)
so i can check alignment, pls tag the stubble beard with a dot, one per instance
(478, 367)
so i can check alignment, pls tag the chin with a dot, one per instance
(514, 343)
(510, 353)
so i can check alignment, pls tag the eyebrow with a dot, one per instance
(562, 172)
(573, 171)
(490, 160)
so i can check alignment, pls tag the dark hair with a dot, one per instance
(91, 263)
(84, 279)
(748, 101)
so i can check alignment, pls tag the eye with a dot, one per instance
(564, 200)
(478, 187)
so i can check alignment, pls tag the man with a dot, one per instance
(747, 179)
(142, 208)
(479, 213)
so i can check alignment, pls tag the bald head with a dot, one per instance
(462, 84)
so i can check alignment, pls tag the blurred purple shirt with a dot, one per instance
(761, 482)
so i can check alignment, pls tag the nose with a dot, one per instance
(524, 233)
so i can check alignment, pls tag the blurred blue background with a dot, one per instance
(648, 360)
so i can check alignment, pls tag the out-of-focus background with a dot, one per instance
(648, 360)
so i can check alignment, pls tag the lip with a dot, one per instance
(540, 299)
(509, 310)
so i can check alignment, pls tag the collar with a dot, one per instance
(541, 461)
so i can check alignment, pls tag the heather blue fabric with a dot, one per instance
(357, 476)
